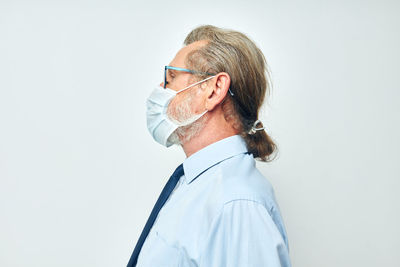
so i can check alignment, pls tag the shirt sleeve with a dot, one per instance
(244, 234)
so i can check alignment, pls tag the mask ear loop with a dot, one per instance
(199, 115)
(195, 84)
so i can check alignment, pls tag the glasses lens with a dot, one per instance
(165, 77)
(168, 76)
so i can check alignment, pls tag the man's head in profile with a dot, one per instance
(216, 209)
(213, 88)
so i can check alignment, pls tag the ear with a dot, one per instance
(217, 90)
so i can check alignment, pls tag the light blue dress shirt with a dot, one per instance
(221, 213)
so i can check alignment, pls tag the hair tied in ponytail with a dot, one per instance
(254, 129)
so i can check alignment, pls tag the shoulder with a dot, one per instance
(241, 180)
(244, 189)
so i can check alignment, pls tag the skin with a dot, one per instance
(208, 95)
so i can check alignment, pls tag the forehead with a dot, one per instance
(179, 59)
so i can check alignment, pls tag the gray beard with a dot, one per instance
(184, 134)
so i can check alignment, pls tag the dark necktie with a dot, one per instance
(168, 188)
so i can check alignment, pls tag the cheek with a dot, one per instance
(198, 102)
(171, 107)
(193, 103)
(175, 105)
(178, 83)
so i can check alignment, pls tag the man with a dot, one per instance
(217, 209)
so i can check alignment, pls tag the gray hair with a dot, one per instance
(236, 54)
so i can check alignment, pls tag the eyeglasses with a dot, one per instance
(185, 70)
(181, 69)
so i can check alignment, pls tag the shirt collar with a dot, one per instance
(212, 154)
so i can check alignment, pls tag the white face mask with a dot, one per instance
(159, 124)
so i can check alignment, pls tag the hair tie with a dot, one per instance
(254, 129)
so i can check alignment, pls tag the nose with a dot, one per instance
(162, 84)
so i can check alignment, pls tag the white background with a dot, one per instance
(79, 173)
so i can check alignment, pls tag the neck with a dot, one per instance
(216, 128)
